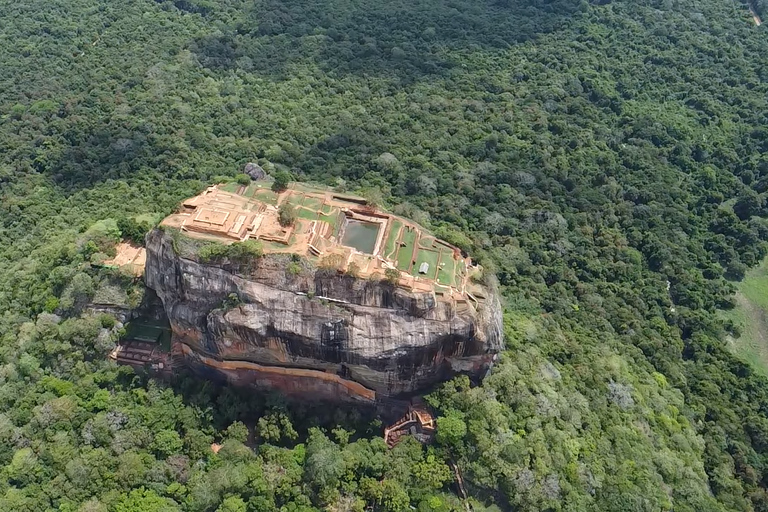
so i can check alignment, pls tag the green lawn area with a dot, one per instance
(265, 195)
(428, 256)
(312, 203)
(295, 199)
(308, 187)
(446, 273)
(404, 252)
(751, 317)
(755, 285)
(230, 187)
(389, 245)
(252, 188)
(303, 213)
(334, 220)
(327, 209)
(427, 242)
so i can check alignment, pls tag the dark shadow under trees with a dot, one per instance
(403, 40)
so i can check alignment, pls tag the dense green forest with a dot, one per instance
(608, 161)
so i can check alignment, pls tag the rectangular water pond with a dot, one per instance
(360, 235)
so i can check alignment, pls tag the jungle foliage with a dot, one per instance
(608, 162)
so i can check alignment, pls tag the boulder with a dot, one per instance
(254, 171)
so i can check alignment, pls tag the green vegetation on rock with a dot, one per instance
(238, 252)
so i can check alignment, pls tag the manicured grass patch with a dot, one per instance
(426, 256)
(265, 196)
(295, 199)
(446, 273)
(230, 187)
(327, 209)
(390, 246)
(307, 187)
(405, 251)
(303, 213)
(312, 203)
(333, 219)
(427, 242)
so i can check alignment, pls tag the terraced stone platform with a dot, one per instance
(331, 229)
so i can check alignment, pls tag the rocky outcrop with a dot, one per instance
(310, 331)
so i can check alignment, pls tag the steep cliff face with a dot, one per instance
(316, 332)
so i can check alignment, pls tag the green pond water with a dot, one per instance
(360, 235)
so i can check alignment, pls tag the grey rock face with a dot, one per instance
(254, 171)
(388, 339)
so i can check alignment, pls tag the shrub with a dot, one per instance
(107, 321)
(101, 237)
(231, 302)
(353, 270)
(213, 252)
(332, 262)
(454, 237)
(243, 251)
(238, 252)
(373, 196)
(133, 230)
(282, 179)
(392, 275)
(286, 215)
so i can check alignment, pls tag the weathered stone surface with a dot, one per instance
(254, 171)
(388, 339)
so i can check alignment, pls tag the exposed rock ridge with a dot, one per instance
(388, 339)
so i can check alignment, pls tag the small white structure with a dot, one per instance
(424, 268)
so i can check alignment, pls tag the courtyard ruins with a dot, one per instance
(331, 229)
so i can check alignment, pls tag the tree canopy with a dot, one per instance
(606, 161)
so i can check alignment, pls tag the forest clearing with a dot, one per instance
(750, 316)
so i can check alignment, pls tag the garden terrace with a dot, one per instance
(332, 230)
